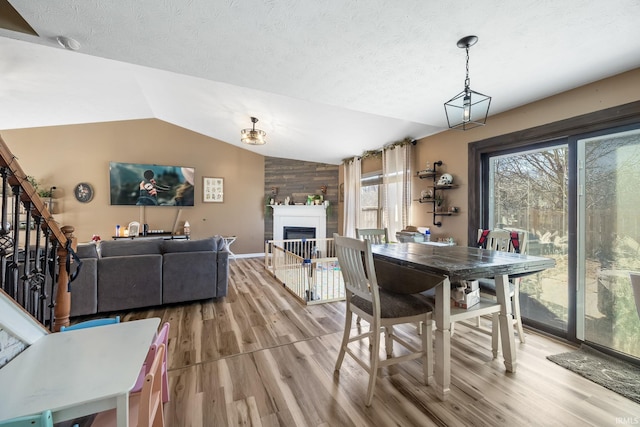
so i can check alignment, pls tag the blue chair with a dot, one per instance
(41, 420)
(91, 324)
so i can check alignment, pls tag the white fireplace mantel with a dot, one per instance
(299, 216)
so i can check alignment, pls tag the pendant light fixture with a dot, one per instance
(253, 136)
(68, 43)
(468, 109)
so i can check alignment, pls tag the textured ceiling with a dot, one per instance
(327, 79)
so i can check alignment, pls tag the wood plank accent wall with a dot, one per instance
(297, 179)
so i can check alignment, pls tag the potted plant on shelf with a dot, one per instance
(41, 192)
(314, 199)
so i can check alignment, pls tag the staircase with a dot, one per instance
(34, 251)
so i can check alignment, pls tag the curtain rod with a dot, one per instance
(370, 153)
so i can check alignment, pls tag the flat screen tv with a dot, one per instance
(150, 185)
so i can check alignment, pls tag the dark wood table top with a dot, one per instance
(460, 262)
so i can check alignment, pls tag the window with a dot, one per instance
(608, 239)
(528, 192)
(370, 203)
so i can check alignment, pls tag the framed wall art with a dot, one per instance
(212, 189)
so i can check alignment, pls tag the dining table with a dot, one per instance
(418, 267)
(77, 372)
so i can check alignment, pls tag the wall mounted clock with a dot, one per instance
(83, 192)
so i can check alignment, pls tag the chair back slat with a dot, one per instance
(151, 395)
(161, 338)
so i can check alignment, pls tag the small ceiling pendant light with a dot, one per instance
(68, 43)
(468, 109)
(253, 136)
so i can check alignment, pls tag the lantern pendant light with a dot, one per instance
(468, 109)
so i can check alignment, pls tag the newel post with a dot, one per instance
(63, 296)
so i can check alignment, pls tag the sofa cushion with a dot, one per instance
(189, 276)
(202, 245)
(130, 247)
(87, 251)
(126, 282)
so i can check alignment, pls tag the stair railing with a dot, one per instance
(34, 250)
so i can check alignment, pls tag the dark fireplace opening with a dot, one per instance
(305, 249)
(299, 233)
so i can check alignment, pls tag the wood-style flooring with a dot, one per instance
(260, 358)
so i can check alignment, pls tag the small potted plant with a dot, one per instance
(42, 193)
(314, 199)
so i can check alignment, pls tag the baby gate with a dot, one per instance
(308, 268)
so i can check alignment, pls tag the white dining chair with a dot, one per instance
(508, 241)
(383, 310)
(374, 235)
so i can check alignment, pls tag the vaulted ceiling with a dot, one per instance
(326, 79)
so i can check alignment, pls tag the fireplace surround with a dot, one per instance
(301, 217)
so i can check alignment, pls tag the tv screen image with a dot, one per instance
(140, 184)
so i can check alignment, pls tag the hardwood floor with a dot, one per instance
(260, 358)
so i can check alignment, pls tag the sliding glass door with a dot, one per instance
(609, 240)
(579, 203)
(528, 191)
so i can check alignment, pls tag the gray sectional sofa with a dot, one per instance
(126, 274)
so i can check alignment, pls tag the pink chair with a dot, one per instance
(161, 338)
(145, 408)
